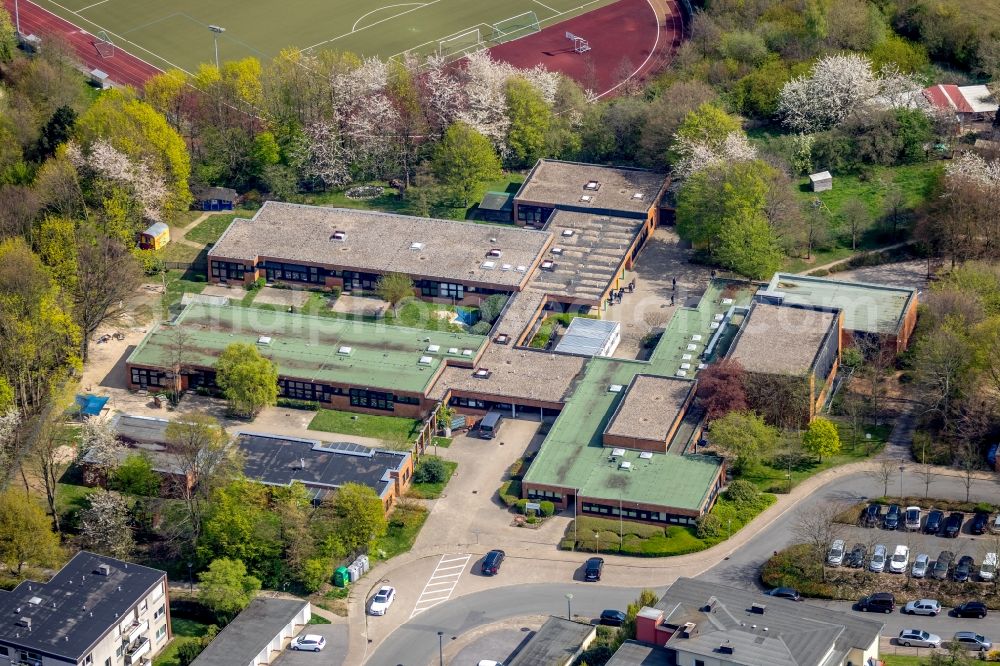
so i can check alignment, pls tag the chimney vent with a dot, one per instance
(757, 608)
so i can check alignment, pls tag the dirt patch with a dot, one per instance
(225, 292)
(361, 305)
(282, 297)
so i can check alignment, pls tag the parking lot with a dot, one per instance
(332, 655)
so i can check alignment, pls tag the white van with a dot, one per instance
(900, 560)
(988, 569)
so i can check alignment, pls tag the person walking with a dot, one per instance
(673, 284)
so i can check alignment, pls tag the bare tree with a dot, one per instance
(106, 281)
(879, 355)
(818, 528)
(49, 457)
(855, 409)
(928, 476)
(883, 473)
(10, 422)
(969, 461)
(100, 447)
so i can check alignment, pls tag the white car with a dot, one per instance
(911, 518)
(382, 600)
(900, 560)
(923, 607)
(835, 557)
(877, 563)
(920, 565)
(313, 642)
(489, 662)
(918, 638)
(988, 569)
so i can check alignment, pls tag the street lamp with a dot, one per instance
(441, 648)
(216, 31)
(190, 576)
(569, 606)
(17, 26)
(597, 542)
(901, 468)
(370, 589)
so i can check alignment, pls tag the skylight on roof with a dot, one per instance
(615, 388)
(425, 360)
(488, 265)
(453, 350)
(682, 373)
(592, 186)
(433, 349)
(338, 236)
(505, 267)
(567, 233)
(346, 351)
(264, 340)
(495, 252)
(637, 196)
(482, 373)
(416, 245)
(548, 265)
(617, 452)
(646, 455)
(466, 352)
(557, 251)
(522, 269)
(625, 465)
(587, 198)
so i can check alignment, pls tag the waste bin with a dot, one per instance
(340, 577)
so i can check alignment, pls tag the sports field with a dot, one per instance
(175, 33)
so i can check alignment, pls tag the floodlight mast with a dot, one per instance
(216, 31)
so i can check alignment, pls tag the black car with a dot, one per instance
(592, 570)
(892, 517)
(940, 569)
(492, 562)
(934, 520)
(856, 558)
(963, 570)
(953, 525)
(880, 602)
(612, 618)
(970, 609)
(785, 593)
(979, 522)
(872, 515)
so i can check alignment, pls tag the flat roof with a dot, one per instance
(650, 407)
(558, 183)
(497, 201)
(281, 461)
(309, 347)
(76, 607)
(634, 653)
(870, 308)
(777, 339)
(587, 336)
(140, 429)
(250, 632)
(384, 242)
(556, 642)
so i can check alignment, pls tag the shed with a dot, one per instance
(155, 237)
(214, 198)
(497, 207)
(100, 79)
(590, 337)
(821, 182)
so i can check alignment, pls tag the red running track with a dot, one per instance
(122, 68)
(628, 29)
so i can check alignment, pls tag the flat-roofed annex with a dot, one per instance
(557, 183)
(778, 339)
(650, 408)
(373, 242)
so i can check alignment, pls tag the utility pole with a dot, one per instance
(216, 31)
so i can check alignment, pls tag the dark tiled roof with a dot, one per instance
(252, 630)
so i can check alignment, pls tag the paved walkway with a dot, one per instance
(830, 265)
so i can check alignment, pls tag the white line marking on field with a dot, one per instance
(354, 27)
(83, 9)
(370, 25)
(546, 6)
(441, 583)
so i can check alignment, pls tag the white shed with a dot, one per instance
(99, 78)
(821, 181)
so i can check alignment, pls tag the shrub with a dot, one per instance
(430, 470)
(709, 526)
(490, 308)
(547, 508)
(188, 652)
(292, 403)
(510, 492)
(481, 328)
(743, 492)
(521, 506)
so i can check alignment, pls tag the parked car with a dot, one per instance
(313, 642)
(963, 570)
(995, 525)
(856, 558)
(593, 569)
(980, 521)
(933, 523)
(880, 602)
(492, 562)
(920, 565)
(877, 562)
(970, 609)
(922, 607)
(785, 593)
(918, 638)
(382, 600)
(489, 425)
(988, 569)
(911, 519)
(892, 516)
(489, 662)
(612, 618)
(900, 560)
(872, 515)
(940, 569)
(970, 640)
(953, 524)
(835, 557)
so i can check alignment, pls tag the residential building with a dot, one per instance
(96, 611)
(258, 634)
(557, 643)
(698, 623)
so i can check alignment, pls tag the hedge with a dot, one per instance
(510, 492)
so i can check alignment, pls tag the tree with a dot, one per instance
(714, 197)
(856, 217)
(748, 247)
(105, 525)
(394, 288)
(969, 460)
(8, 37)
(361, 516)
(817, 527)
(720, 389)
(27, 533)
(55, 132)
(464, 160)
(226, 587)
(893, 205)
(837, 86)
(248, 380)
(55, 244)
(530, 118)
(107, 279)
(240, 524)
(882, 473)
(430, 470)
(100, 446)
(822, 438)
(491, 307)
(135, 476)
(942, 360)
(744, 437)
(708, 125)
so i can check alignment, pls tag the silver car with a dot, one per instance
(835, 557)
(920, 565)
(918, 638)
(923, 607)
(877, 563)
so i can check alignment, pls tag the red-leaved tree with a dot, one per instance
(721, 389)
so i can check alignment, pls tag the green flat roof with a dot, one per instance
(308, 347)
(874, 308)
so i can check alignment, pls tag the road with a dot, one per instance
(415, 643)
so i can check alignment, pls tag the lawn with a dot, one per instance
(772, 476)
(388, 428)
(412, 314)
(179, 252)
(179, 282)
(183, 631)
(913, 660)
(404, 525)
(432, 490)
(210, 229)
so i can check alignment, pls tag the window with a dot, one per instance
(143, 378)
(407, 400)
(88, 660)
(107, 662)
(159, 612)
(118, 652)
(290, 388)
(699, 662)
(372, 399)
(143, 606)
(226, 270)
(4, 651)
(161, 632)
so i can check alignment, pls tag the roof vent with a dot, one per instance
(493, 240)
(24, 621)
(488, 265)
(587, 198)
(548, 265)
(34, 601)
(567, 232)
(482, 373)
(416, 245)
(433, 349)
(646, 455)
(262, 340)
(757, 609)
(726, 648)
(689, 629)
(344, 351)
(637, 196)
(338, 236)
(625, 465)
(592, 186)
(615, 388)
(495, 252)
(425, 360)
(557, 251)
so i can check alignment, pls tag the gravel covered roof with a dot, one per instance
(778, 339)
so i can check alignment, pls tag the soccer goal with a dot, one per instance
(515, 27)
(103, 44)
(460, 44)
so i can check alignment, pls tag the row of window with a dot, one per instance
(533, 214)
(227, 270)
(442, 289)
(289, 388)
(144, 377)
(296, 273)
(638, 514)
(372, 399)
(544, 494)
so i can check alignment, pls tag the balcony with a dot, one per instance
(135, 629)
(136, 650)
